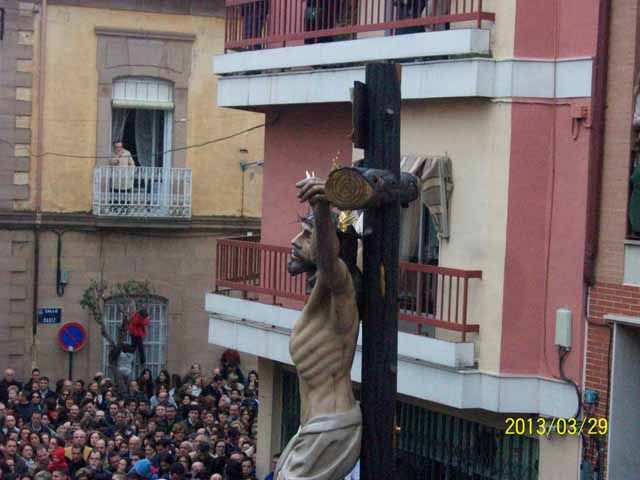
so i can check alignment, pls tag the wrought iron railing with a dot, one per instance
(428, 295)
(276, 23)
(142, 192)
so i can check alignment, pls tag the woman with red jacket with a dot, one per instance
(138, 330)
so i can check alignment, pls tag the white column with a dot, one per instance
(269, 414)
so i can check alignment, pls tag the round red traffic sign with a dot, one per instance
(72, 337)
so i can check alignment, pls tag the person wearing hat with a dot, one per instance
(142, 469)
(82, 474)
(58, 461)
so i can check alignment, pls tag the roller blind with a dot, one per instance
(143, 93)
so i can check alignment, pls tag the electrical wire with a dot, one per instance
(563, 355)
(160, 154)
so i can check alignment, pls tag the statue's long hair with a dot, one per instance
(349, 255)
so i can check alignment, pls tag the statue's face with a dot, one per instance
(303, 257)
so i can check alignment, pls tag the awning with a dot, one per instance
(437, 185)
(436, 181)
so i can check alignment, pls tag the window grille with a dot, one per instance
(435, 446)
(155, 343)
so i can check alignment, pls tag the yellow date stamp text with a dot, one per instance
(559, 426)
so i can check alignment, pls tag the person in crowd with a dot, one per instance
(45, 392)
(137, 331)
(274, 463)
(11, 454)
(248, 472)
(9, 380)
(146, 383)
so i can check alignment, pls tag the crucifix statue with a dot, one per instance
(322, 346)
(323, 342)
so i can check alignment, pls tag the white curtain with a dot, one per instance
(144, 137)
(117, 126)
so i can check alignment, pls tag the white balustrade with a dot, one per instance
(142, 192)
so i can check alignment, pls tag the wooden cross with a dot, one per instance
(379, 188)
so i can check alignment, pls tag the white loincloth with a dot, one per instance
(326, 448)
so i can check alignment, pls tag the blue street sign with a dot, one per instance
(72, 336)
(49, 316)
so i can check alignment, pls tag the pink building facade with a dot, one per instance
(511, 94)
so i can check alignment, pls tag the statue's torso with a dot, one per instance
(322, 347)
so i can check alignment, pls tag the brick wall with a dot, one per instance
(605, 298)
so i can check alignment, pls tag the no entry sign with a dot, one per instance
(72, 337)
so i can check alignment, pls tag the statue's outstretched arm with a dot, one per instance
(326, 242)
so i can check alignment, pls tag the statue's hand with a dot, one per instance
(311, 190)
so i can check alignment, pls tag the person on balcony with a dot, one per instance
(320, 15)
(410, 9)
(122, 158)
(254, 14)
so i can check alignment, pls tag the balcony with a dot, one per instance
(256, 305)
(429, 296)
(142, 192)
(257, 24)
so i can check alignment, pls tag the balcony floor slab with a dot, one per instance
(416, 45)
(462, 78)
(264, 331)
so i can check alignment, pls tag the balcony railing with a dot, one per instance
(142, 192)
(254, 24)
(428, 295)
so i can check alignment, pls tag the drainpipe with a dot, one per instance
(596, 143)
(38, 182)
(42, 60)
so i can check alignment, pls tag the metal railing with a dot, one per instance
(436, 296)
(257, 268)
(276, 23)
(142, 192)
(427, 295)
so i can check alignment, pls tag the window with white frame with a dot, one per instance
(155, 343)
(142, 114)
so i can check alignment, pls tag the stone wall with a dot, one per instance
(179, 266)
(16, 61)
(16, 269)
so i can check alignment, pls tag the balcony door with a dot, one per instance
(142, 119)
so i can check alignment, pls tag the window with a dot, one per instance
(142, 114)
(155, 343)
(1, 23)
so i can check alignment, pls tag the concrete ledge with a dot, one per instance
(416, 45)
(223, 225)
(623, 319)
(474, 77)
(463, 389)
(272, 318)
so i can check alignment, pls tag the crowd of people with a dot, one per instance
(200, 426)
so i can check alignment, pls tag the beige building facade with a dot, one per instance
(84, 74)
